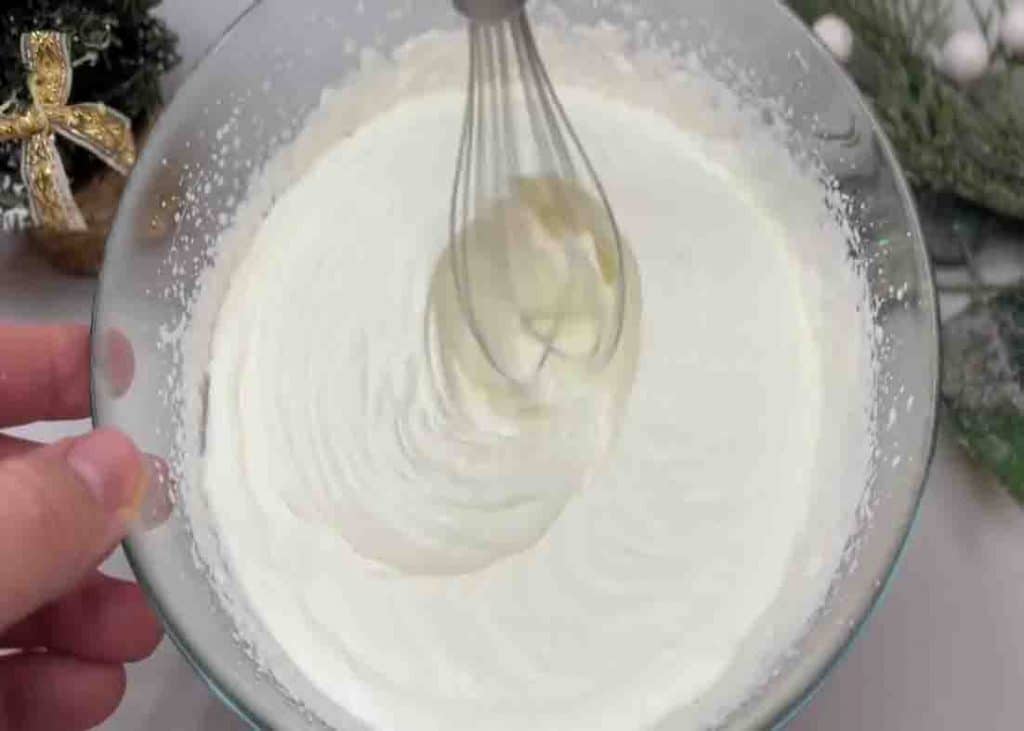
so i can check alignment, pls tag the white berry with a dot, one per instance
(836, 34)
(1011, 29)
(965, 56)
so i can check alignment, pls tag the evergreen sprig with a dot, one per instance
(950, 140)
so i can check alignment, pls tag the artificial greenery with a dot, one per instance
(968, 141)
(120, 51)
(983, 384)
(962, 148)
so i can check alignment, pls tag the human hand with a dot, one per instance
(66, 630)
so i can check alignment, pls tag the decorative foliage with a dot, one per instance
(983, 384)
(119, 50)
(953, 105)
(103, 131)
(967, 140)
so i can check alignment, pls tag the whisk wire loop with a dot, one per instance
(515, 129)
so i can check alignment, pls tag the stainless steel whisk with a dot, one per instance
(519, 148)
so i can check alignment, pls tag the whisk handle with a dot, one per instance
(489, 11)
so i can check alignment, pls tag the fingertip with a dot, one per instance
(140, 628)
(101, 689)
(111, 468)
(46, 373)
(45, 691)
(121, 622)
(111, 682)
(64, 507)
(69, 371)
(106, 620)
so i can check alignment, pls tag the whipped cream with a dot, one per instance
(431, 553)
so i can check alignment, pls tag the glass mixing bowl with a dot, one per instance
(251, 93)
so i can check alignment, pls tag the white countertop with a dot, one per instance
(945, 650)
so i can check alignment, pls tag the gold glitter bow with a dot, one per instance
(99, 129)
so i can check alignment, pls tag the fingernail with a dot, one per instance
(111, 468)
(157, 503)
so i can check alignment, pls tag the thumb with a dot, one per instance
(63, 508)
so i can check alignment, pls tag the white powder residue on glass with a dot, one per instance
(422, 571)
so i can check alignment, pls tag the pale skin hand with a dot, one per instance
(66, 630)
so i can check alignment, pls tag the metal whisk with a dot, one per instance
(536, 252)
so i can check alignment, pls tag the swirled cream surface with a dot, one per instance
(430, 552)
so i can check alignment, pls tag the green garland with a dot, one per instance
(968, 142)
(120, 51)
(963, 150)
(983, 384)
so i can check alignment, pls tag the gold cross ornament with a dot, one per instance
(96, 127)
